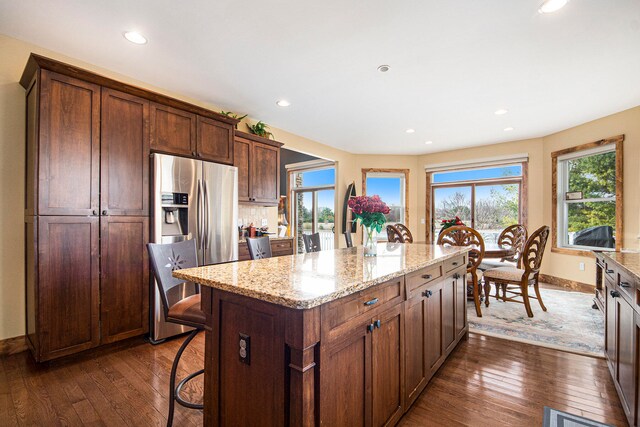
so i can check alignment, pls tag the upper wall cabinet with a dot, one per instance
(258, 163)
(173, 131)
(215, 141)
(63, 146)
(124, 149)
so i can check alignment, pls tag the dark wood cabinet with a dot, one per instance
(172, 131)
(67, 149)
(214, 141)
(258, 163)
(622, 333)
(124, 282)
(279, 247)
(124, 154)
(67, 291)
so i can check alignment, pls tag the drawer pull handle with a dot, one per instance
(426, 276)
(454, 263)
(427, 293)
(377, 323)
(371, 302)
(614, 294)
(625, 284)
(609, 271)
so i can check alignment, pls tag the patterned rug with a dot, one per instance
(555, 418)
(570, 324)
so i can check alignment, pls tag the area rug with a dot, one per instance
(555, 418)
(570, 324)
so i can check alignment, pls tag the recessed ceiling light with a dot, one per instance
(500, 112)
(550, 6)
(283, 103)
(135, 37)
(383, 68)
(410, 130)
(509, 129)
(428, 142)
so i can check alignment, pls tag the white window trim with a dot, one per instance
(562, 188)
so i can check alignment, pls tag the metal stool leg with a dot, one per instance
(174, 392)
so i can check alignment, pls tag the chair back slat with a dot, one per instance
(259, 247)
(534, 250)
(311, 242)
(514, 236)
(407, 237)
(167, 258)
(394, 235)
(461, 235)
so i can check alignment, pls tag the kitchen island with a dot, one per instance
(331, 337)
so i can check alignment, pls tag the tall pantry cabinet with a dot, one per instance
(86, 213)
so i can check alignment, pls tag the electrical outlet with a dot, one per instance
(244, 349)
(582, 266)
(264, 221)
(422, 221)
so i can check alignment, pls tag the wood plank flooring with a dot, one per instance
(486, 382)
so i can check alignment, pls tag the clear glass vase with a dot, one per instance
(370, 241)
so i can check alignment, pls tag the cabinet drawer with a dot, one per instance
(415, 280)
(627, 286)
(453, 263)
(282, 246)
(339, 312)
(609, 270)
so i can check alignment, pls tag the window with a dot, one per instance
(313, 195)
(391, 186)
(485, 198)
(586, 198)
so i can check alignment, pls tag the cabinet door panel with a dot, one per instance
(448, 312)
(625, 372)
(434, 351)
(125, 277)
(215, 141)
(415, 345)
(346, 381)
(610, 328)
(124, 154)
(172, 131)
(69, 146)
(265, 163)
(242, 156)
(387, 344)
(461, 303)
(68, 291)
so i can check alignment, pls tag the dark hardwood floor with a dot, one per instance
(486, 382)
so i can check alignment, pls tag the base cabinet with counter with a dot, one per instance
(357, 360)
(620, 285)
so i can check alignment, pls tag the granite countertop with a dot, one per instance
(309, 280)
(628, 260)
(244, 239)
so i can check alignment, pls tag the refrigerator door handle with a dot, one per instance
(199, 216)
(207, 212)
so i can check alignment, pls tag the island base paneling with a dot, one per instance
(334, 364)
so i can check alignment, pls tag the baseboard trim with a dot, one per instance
(13, 345)
(566, 283)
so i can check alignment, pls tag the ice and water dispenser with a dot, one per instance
(175, 214)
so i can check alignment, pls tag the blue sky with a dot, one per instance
(320, 177)
(387, 188)
(475, 174)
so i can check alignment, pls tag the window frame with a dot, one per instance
(520, 180)
(393, 174)
(559, 186)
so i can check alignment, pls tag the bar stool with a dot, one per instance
(311, 242)
(259, 247)
(165, 259)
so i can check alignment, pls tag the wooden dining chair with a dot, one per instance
(347, 239)
(259, 247)
(514, 236)
(394, 235)
(407, 237)
(461, 235)
(517, 280)
(311, 242)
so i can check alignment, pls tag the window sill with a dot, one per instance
(575, 252)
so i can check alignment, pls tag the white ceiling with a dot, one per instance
(453, 63)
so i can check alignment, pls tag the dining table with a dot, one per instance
(494, 250)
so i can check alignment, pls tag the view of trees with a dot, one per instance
(595, 176)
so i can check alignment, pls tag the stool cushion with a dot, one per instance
(510, 274)
(188, 310)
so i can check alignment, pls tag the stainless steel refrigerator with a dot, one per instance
(192, 199)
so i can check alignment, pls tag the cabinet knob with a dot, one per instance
(104, 212)
(456, 276)
(427, 293)
(94, 212)
(625, 284)
(193, 153)
(614, 294)
(426, 276)
(377, 323)
(370, 327)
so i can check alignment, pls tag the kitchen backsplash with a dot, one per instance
(248, 214)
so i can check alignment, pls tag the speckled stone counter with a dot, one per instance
(309, 280)
(629, 261)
